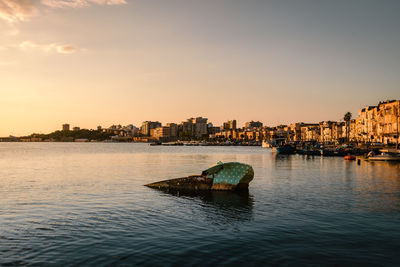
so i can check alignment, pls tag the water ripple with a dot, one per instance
(85, 204)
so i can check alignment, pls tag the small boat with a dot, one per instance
(349, 157)
(384, 156)
(334, 152)
(284, 149)
(221, 176)
(308, 151)
(155, 144)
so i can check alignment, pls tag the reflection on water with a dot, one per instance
(281, 157)
(220, 207)
(85, 204)
(378, 186)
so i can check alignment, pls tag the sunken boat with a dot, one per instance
(221, 176)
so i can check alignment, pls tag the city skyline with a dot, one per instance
(377, 125)
(101, 62)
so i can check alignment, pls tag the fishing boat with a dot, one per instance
(221, 176)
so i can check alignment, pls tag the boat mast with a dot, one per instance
(397, 126)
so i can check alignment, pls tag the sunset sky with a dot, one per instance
(103, 62)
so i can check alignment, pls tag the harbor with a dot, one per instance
(362, 151)
(199, 133)
(87, 201)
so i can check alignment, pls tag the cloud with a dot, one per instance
(80, 3)
(59, 48)
(20, 10)
(66, 49)
(17, 10)
(27, 45)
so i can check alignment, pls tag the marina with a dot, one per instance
(384, 155)
(307, 149)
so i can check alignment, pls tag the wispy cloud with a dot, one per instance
(54, 47)
(66, 49)
(17, 10)
(20, 10)
(80, 3)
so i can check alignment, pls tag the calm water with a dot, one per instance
(85, 204)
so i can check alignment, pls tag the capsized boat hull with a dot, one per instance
(222, 176)
(194, 182)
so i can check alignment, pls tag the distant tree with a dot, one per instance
(347, 118)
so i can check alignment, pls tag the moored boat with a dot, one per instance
(155, 144)
(221, 176)
(349, 157)
(384, 156)
(334, 152)
(285, 149)
(308, 151)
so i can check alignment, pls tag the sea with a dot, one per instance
(85, 204)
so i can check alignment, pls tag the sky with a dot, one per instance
(104, 62)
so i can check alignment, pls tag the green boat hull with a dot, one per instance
(222, 176)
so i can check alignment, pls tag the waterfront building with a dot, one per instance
(229, 125)
(326, 132)
(124, 131)
(9, 139)
(194, 127)
(65, 127)
(200, 127)
(352, 130)
(213, 131)
(130, 130)
(379, 123)
(254, 124)
(310, 132)
(173, 130)
(147, 126)
(388, 122)
(265, 133)
(337, 131)
(160, 133)
(296, 132)
(281, 132)
(255, 134)
(228, 134)
(366, 124)
(331, 131)
(187, 128)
